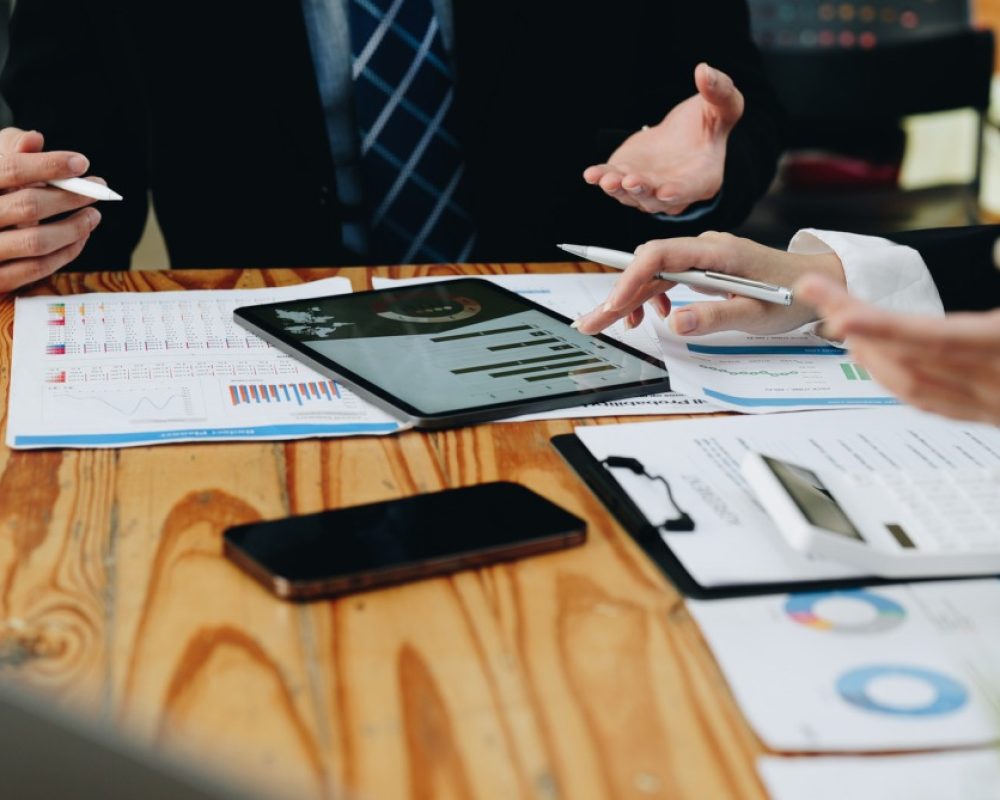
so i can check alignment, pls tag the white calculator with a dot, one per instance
(894, 524)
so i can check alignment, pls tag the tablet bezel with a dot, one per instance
(458, 416)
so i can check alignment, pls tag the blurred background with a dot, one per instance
(894, 110)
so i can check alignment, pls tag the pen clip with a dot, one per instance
(745, 281)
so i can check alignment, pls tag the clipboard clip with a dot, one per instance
(682, 523)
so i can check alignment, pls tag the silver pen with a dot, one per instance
(716, 281)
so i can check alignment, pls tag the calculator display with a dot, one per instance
(813, 498)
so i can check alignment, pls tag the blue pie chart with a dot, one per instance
(948, 694)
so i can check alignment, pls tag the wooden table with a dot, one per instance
(572, 675)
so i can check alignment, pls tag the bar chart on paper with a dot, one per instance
(107, 370)
(300, 394)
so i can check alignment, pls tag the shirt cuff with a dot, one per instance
(694, 211)
(891, 276)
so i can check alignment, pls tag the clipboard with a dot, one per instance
(622, 508)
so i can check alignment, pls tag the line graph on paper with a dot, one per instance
(121, 404)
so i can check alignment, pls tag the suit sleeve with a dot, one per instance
(962, 262)
(68, 75)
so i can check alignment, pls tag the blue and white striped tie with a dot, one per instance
(410, 160)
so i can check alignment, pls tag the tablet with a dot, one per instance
(454, 352)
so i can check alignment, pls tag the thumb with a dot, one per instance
(9, 139)
(718, 90)
(737, 314)
(30, 142)
(822, 294)
(14, 140)
(834, 306)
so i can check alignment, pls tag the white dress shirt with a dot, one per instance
(889, 275)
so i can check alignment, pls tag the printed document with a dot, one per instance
(962, 775)
(136, 368)
(574, 294)
(734, 541)
(762, 374)
(886, 668)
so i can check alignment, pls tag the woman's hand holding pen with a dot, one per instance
(29, 249)
(718, 252)
(667, 167)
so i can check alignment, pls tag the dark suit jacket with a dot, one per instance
(213, 106)
(962, 263)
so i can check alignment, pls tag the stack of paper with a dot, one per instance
(125, 369)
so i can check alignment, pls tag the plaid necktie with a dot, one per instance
(410, 162)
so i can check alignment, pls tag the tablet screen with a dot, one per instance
(444, 347)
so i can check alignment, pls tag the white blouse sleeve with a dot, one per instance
(889, 275)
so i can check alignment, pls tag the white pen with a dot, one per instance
(716, 281)
(87, 188)
(98, 191)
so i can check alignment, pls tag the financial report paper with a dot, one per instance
(753, 374)
(140, 368)
(884, 668)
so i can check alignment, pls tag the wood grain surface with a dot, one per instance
(572, 675)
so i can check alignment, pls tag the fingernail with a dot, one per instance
(659, 311)
(635, 189)
(713, 76)
(629, 325)
(685, 322)
(78, 164)
(93, 217)
(575, 323)
(607, 308)
(670, 201)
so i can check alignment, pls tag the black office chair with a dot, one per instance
(847, 74)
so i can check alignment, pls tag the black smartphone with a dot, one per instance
(363, 547)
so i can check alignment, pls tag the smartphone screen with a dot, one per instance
(350, 549)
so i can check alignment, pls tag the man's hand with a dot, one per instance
(667, 167)
(718, 252)
(947, 365)
(29, 250)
